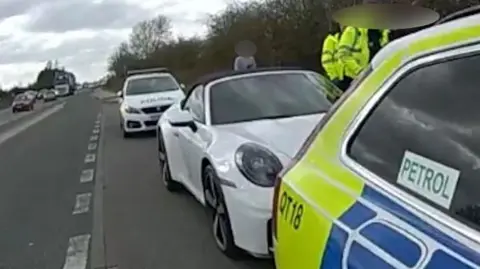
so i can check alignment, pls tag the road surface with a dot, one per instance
(74, 194)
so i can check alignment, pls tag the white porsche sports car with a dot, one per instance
(230, 137)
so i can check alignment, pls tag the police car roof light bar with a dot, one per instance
(147, 71)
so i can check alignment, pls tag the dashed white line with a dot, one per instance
(92, 146)
(77, 252)
(94, 138)
(82, 203)
(87, 175)
(89, 158)
(96, 131)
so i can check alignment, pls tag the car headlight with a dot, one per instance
(259, 165)
(131, 110)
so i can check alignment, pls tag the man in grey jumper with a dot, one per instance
(245, 59)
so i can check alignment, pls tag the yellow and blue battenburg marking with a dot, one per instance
(377, 232)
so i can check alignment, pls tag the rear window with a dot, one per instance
(267, 96)
(151, 85)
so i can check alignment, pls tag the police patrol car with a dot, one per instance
(390, 177)
(146, 94)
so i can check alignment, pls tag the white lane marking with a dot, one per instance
(89, 158)
(94, 138)
(92, 146)
(77, 252)
(96, 131)
(87, 175)
(82, 203)
(22, 127)
(97, 122)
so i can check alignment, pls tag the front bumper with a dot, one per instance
(139, 122)
(21, 107)
(250, 217)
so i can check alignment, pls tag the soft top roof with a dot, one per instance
(203, 80)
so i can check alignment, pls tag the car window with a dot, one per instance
(267, 96)
(151, 85)
(196, 105)
(21, 97)
(423, 137)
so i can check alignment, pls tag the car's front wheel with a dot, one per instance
(221, 226)
(167, 180)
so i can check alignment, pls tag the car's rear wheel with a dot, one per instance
(170, 184)
(221, 226)
(14, 110)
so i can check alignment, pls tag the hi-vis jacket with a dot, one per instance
(353, 50)
(330, 62)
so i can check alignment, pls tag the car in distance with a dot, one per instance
(146, 94)
(230, 137)
(389, 178)
(23, 102)
(49, 96)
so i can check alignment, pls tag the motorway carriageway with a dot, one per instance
(74, 194)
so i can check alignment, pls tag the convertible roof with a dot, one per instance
(203, 80)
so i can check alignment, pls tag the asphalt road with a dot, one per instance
(75, 194)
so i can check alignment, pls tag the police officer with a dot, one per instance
(329, 54)
(356, 48)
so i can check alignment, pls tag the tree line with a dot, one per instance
(286, 32)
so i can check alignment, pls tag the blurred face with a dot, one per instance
(245, 48)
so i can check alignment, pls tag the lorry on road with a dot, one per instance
(65, 83)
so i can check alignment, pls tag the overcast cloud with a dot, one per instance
(81, 34)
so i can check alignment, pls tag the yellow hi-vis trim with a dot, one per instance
(320, 181)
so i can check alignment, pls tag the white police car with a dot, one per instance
(146, 94)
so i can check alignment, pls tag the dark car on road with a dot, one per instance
(23, 102)
(49, 96)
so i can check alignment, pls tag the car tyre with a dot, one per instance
(126, 134)
(170, 184)
(14, 110)
(221, 225)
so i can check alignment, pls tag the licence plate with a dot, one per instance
(155, 117)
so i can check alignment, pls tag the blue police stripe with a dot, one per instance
(361, 258)
(440, 259)
(404, 250)
(356, 215)
(390, 238)
(332, 257)
(402, 213)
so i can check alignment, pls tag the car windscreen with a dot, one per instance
(150, 85)
(267, 96)
(21, 98)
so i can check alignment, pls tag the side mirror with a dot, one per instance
(119, 93)
(182, 86)
(182, 118)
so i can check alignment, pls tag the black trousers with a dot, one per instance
(344, 83)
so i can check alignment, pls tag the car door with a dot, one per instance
(194, 142)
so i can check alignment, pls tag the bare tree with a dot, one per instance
(148, 36)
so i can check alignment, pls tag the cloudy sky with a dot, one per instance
(81, 34)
